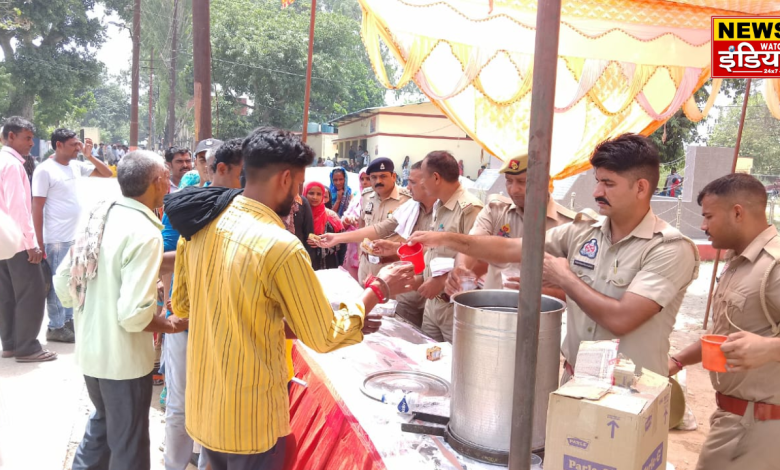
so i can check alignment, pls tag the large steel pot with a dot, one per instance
(483, 367)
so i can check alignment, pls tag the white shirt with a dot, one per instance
(121, 299)
(57, 183)
(329, 163)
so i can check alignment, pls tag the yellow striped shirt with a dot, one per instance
(236, 280)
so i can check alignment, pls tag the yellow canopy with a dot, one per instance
(624, 66)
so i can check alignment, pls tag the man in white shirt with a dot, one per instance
(115, 317)
(56, 211)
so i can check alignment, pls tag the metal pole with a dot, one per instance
(171, 127)
(201, 61)
(307, 94)
(151, 90)
(548, 23)
(733, 169)
(679, 212)
(135, 75)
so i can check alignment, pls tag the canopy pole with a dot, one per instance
(548, 22)
(733, 169)
(307, 93)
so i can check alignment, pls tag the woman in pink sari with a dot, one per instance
(351, 221)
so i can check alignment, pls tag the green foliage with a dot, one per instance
(6, 84)
(110, 111)
(48, 48)
(259, 50)
(681, 131)
(760, 135)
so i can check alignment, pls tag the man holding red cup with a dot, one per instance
(746, 310)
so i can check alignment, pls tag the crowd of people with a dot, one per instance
(234, 242)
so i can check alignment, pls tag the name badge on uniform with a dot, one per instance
(583, 264)
(369, 207)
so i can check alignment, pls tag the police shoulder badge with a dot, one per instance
(504, 232)
(590, 249)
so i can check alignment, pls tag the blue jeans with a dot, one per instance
(58, 315)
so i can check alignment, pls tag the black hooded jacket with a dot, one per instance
(192, 208)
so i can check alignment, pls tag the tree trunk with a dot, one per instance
(171, 126)
(22, 104)
(21, 101)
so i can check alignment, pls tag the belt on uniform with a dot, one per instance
(737, 406)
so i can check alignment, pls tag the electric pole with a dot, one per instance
(201, 50)
(150, 139)
(135, 74)
(171, 127)
(307, 92)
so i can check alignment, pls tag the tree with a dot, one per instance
(259, 50)
(48, 48)
(679, 131)
(760, 135)
(110, 112)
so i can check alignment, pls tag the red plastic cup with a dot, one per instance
(712, 358)
(414, 254)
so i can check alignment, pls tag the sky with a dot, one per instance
(117, 51)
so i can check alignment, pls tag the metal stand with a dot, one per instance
(440, 427)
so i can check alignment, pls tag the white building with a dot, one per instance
(413, 130)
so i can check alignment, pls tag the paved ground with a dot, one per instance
(44, 407)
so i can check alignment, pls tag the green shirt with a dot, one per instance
(121, 299)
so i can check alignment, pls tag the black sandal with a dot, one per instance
(42, 356)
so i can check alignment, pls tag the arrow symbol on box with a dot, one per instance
(613, 425)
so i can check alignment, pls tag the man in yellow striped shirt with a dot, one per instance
(239, 276)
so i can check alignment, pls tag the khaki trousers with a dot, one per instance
(438, 320)
(740, 443)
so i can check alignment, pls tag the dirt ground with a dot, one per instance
(684, 446)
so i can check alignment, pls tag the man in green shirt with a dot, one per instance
(110, 278)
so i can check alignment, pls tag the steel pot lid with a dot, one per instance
(423, 384)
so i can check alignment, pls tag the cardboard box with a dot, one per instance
(593, 427)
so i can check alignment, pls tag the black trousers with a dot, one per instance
(272, 459)
(22, 304)
(117, 434)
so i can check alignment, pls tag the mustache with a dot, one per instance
(604, 200)
(379, 185)
(707, 232)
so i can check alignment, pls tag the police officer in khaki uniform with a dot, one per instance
(624, 275)
(388, 235)
(503, 217)
(377, 205)
(454, 212)
(744, 428)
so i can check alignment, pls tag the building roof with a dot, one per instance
(370, 111)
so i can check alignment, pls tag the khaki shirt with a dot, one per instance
(502, 218)
(737, 301)
(457, 215)
(654, 261)
(374, 211)
(410, 305)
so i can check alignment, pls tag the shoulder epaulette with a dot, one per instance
(773, 247)
(586, 216)
(566, 212)
(500, 198)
